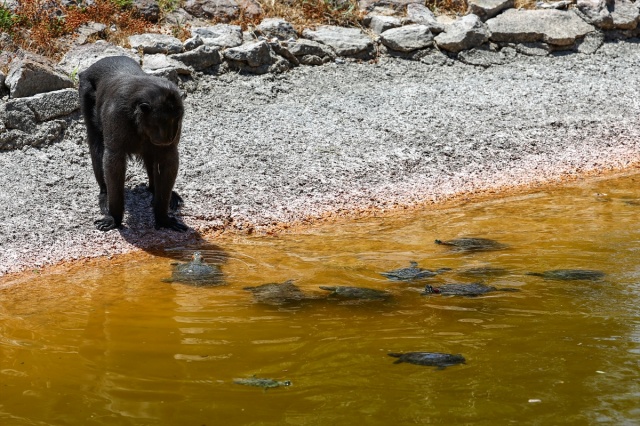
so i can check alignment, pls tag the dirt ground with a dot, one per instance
(261, 152)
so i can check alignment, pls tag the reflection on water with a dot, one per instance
(113, 344)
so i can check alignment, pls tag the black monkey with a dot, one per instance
(130, 113)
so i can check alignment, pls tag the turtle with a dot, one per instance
(570, 274)
(278, 293)
(413, 272)
(262, 383)
(484, 272)
(356, 292)
(472, 244)
(470, 290)
(196, 272)
(432, 359)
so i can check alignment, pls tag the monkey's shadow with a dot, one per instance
(139, 230)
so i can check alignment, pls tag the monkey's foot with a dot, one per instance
(107, 223)
(171, 223)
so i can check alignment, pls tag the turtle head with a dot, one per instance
(430, 290)
(197, 257)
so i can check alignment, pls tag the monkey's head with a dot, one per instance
(158, 112)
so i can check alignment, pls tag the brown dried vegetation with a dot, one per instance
(46, 26)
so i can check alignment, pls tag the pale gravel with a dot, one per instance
(257, 151)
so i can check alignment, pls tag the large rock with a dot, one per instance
(256, 58)
(464, 33)
(200, 58)
(223, 10)
(148, 9)
(155, 43)
(277, 28)
(220, 35)
(610, 14)
(596, 13)
(50, 105)
(407, 38)
(626, 15)
(29, 76)
(350, 42)
(393, 4)
(381, 23)
(254, 54)
(487, 9)
(555, 27)
(420, 14)
(80, 58)
(161, 64)
(309, 52)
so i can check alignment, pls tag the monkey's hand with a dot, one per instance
(107, 223)
(171, 223)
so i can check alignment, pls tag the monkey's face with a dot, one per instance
(159, 116)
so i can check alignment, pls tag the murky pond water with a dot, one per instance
(116, 345)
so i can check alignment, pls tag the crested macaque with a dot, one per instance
(130, 113)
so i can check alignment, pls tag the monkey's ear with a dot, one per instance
(145, 107)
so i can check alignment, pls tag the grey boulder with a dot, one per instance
(349, 42)
(407, 38)
(555, 27)
(156, 43)
(464, 33)
(220, 35)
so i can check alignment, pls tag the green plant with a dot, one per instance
(7, 18)
(123, 4)
(167, 6)
(74, 75)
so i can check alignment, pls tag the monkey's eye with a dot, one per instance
(145, 107)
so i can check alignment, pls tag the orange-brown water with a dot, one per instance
(114, 344)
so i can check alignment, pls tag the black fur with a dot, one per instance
(130, 113)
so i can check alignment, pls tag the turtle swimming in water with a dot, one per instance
(469, 290)
(262, 383)
(472, 244)
(356, 292)
(570, 274)
(433, 359)
(483, 272)
(196, 273)
(413, 272)
(278, 293)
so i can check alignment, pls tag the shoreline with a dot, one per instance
(335, 217)
(338, 141)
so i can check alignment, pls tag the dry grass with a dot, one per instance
(307, 13)
(525, 4)
(46, 26)
(448, 6)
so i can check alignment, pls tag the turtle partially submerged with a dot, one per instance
(472, 244)
(412, 273)
(261, 383)
(362, 293)
(483, 272)
(196, 272)
(570, 274)
(469, 290)
(433, 359)
(278, 293)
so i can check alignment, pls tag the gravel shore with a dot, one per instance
(259, 151)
